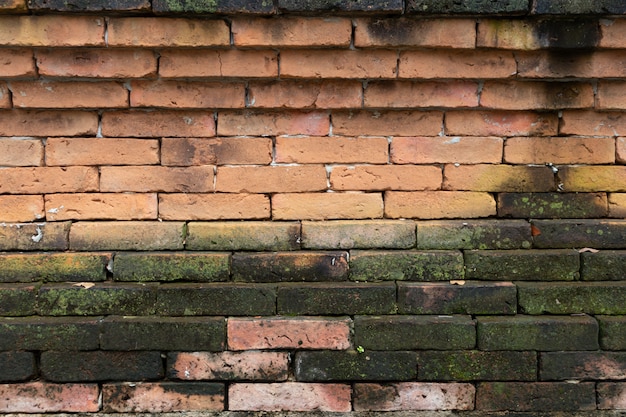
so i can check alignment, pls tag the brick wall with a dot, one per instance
(313, 206)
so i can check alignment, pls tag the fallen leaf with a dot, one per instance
(534, 230)
(588, 250)
(457, 282)
(84, 284)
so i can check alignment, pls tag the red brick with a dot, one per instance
(217, 63)
(21, 208)
(255, 123)
(219, 151)
(300, 94)
(162, 397)
(385, 177)
(290, 396)
(324, 206)
(613, 33)
(328, 150)
(559, 150)
(101, 206)
(42, 397)
(5, 96)
(620, 154)
(498, 178)
(611, 395)
(75, 94)
(126, 235)
(242, 366)
(387, 123)
(456, 64)
(158, 123)
(51, 31)
(438, 149)
(16, 63)
(571, 64)
(47, 123)
(88, 151)
(48, 180)
(586, 122)
(273, 179)
(96, 63)
(438, 204)
(617, 205)
(409, 94)
(181, 94)
(152, 31)
(446, 33)
(593, 178)
(610, 95)
(500, 123)
(407, 396)
(338, 63)
(156, 179)
(213, 206)
(529, 95)
(286, 333)
(291, 31)
(20, 152)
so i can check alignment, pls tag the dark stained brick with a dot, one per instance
(552, 205)
(49, 333)
(290, 266)
(16, 366)
(599, 234)
(606, 265)
(473, 365)
(407, 265)
(535, 396)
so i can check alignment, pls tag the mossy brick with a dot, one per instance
(464, 297)
(101, 366)
(88, 5)
(290, 266)
(168, 266)
(53, 267)
(474, 365)
(216, 299)
(612, 332)
(18, 299)
(317, 6)
(127, 235)
(34, 236)
(336, 298)
(611, 396)
(502, 7)
(605, 265)
(213, 6)
(163, 333)
(553, 205)
(542, 333)
(564, 366)
(49, 333)
(565, 298)
(353, 366)
(16, 366)
(358, 234)
(414, 332)
(254, 235)
(406, 265)
(535, 396)
(93, 299)
(522, 265)
(579, 7)
(473, 234)
(598, 234)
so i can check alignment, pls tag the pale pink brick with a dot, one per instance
(289, 396)
(414, 396)
(611, 395)
(246, 366)
(42, 397)
(162, 397)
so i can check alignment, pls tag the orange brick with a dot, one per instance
(213, 206)
(499, 178)
(421, 94)
(20, 152)
(611, 95)
(500, 123)
(299, 94)
(47, 123)
(89, 151)
(323, 206)
(48, 180)
(438, 204)
(156, 179)
(16, 63)
(126, 235)
(21, 208)
(291, 31)
(620, 154)
(218, 63)
(593, 178)
(75, 94)
(258, 123)
(180, 94)
(160, 31)
(430, 33)
(514, 95)
(331, 150)
(388, 123)
(559, 150)
(100, 206)
(507, 34)
(617, 205)
(246, 365)
(219, 151)
(568, 63)
(438, 149)
(273, 179)
(338, 63)
(96, 63)
(13, 6)
(385, 177)
(613, 33)
(590, 123)
(158, 123)
(456, 64)
(290, 396)
(51, 31)
(5, 96)
(44, 397)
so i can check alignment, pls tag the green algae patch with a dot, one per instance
(53, 267)
(553, 205)
(141, 267)
(473, 234)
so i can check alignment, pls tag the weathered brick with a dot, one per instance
(16, 63)
(162, 397)
(49, 333)
(16, 366)
(474, 234)
(44, 397)
(20, 152)
(409, 396)
(271, 179)
(501, 123)
(387, 123)
(96, 63)
(385, 177)
(260, 123)
(101, 206)
(559, 150)
(156, 179)
(21, 208)
(317, 366)
(88, 151)
(620, 146)
(190, 63)
(290, 266)
(588, 122)
(606, 265)
(457, 64)
(181, 123)
(198, 266)
(218, 6)
(17, 299)
(213, 206)
(126, 235)
(5, 97)
(13, 6)
(571, 63)
(612, 33)
(259, 236)
(216, 299)
(560, 366)
(187, 95)
(51, 30)
(389, 6)
(219, 151)
(88, 6)
(317, 150)
(48, 123)
(414, 332)
(474, 365)
(600, 234)
(70, 95)
(336, 298)
(617, 205)
(533, 95)
(535, 396)
(608, 95)
(101, 366)
(578, 7)
(447, 33)
(411, 94)
(468, 7)
(358, 234)
(552, 205)
(545, 333)
(438, 204)
(289, 333)
(166, 32)
(461, 150)
(228, 366)
(291, 32)
(498, 178)
(326, 94)
(612, 332)
(343, 63)
(327, 206)
(34, 236)
(368, 265)
(611, 395)
(41, 180)
(18, 267)
(162, 333)
(593, 178)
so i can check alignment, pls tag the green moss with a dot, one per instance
(53, 267)
(202, 267)
(192, 6)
